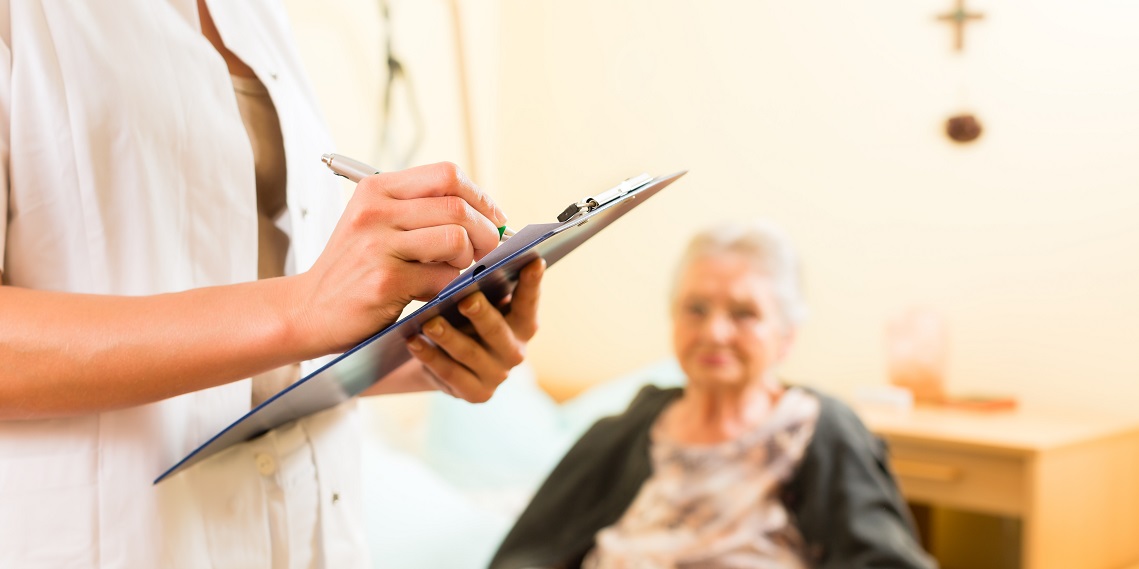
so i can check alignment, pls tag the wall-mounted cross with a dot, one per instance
(959, 17)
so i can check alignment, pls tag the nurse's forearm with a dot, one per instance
(67, 354)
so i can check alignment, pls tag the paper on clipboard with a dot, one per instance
(495, 275)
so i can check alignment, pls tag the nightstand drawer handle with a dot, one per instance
(928, 471)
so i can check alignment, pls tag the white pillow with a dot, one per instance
(613, 397)
(416, 520)
(509, 443)
(516, 438)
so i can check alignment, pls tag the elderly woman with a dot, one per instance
(735, 470)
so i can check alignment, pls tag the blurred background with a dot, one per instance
(827, 118)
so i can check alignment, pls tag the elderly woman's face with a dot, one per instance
(727, 327)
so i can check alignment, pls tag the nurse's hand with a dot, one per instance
(472, 367)
(403, 236)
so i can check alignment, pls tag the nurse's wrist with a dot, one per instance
(294, 319)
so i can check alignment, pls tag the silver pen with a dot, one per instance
(356, 170)
(346, 167)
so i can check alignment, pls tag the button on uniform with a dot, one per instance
(265, 464)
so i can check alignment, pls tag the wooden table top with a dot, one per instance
(1019, 431)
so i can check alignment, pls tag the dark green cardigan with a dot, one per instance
(842, 498)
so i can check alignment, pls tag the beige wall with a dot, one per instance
(824, 117)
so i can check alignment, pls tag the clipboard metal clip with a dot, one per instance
(576, 210)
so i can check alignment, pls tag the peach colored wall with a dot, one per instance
(824, 117)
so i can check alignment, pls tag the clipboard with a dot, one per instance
(495, 275)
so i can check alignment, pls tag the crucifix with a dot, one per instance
(963, 127)
(959, 17)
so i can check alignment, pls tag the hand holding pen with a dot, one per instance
(355, 170)
(404, 236)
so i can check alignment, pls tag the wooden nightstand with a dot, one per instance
(1072, 479)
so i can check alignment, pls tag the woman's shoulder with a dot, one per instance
(653, 397)
(838, 426)
(649, 402)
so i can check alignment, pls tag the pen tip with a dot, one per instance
(327, 159)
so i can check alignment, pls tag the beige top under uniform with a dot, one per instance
(264, 129)
(293, 521)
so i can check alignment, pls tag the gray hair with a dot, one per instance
(766, 247)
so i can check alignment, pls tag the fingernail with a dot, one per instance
(434, 328)
(471, 306)
(536, 272)
(500, 216)
(415, 345)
